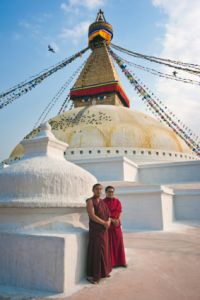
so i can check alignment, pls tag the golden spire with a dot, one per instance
(99, 82)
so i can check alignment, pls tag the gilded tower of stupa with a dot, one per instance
(99, 82)
(101, 124)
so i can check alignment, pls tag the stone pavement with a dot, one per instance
(161, 266)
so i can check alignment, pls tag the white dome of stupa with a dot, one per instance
(43, 177)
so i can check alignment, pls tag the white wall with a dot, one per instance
(124, 169)
(43, 248)
(54, 263)
(165, 173)
(142, 207)
(187, 205)
(75, 259)
(28, 220)
(33, 262)
(135, 154)
(168, 212)
(113, 168)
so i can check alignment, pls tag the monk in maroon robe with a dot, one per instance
(115, 232)
(98, 259)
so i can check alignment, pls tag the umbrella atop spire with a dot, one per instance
(100, 16)
(100, 32)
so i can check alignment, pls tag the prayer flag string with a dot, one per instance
(26, 86)
(55, 99)
(160, 74)
(156, 107)
(187, 67)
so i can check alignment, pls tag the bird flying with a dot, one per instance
(50, 49)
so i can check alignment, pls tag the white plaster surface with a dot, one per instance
(43, 219)
(43, 262)
(34, 262)
(187, 201)
(169, 173)
(142, 206)
(44, 177)
(114, 126)
(156, 207)
(138, 155)
(43, 236)
(45, 181)
(112, 168)
(122, 168)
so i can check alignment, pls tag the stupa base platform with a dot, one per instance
(161, 266)
(50, 263)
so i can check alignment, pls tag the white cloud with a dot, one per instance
(68, 8)
(75, 5)
(181, 42)
(16, 36)
(75, 33)
(36, 30)
(33, 28)
(25, 24)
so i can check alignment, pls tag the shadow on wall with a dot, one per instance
(81, 262)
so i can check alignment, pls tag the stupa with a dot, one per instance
(124, 147)
(43, 220)
(101, 123)
(154, 172)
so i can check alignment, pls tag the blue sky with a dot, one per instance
(28, 26)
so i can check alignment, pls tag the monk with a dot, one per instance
(115, 232)
(98, 259)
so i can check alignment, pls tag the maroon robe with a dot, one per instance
(115, 234)
(98, 259)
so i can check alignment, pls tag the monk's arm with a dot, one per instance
(116, 221)
(91, 213)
